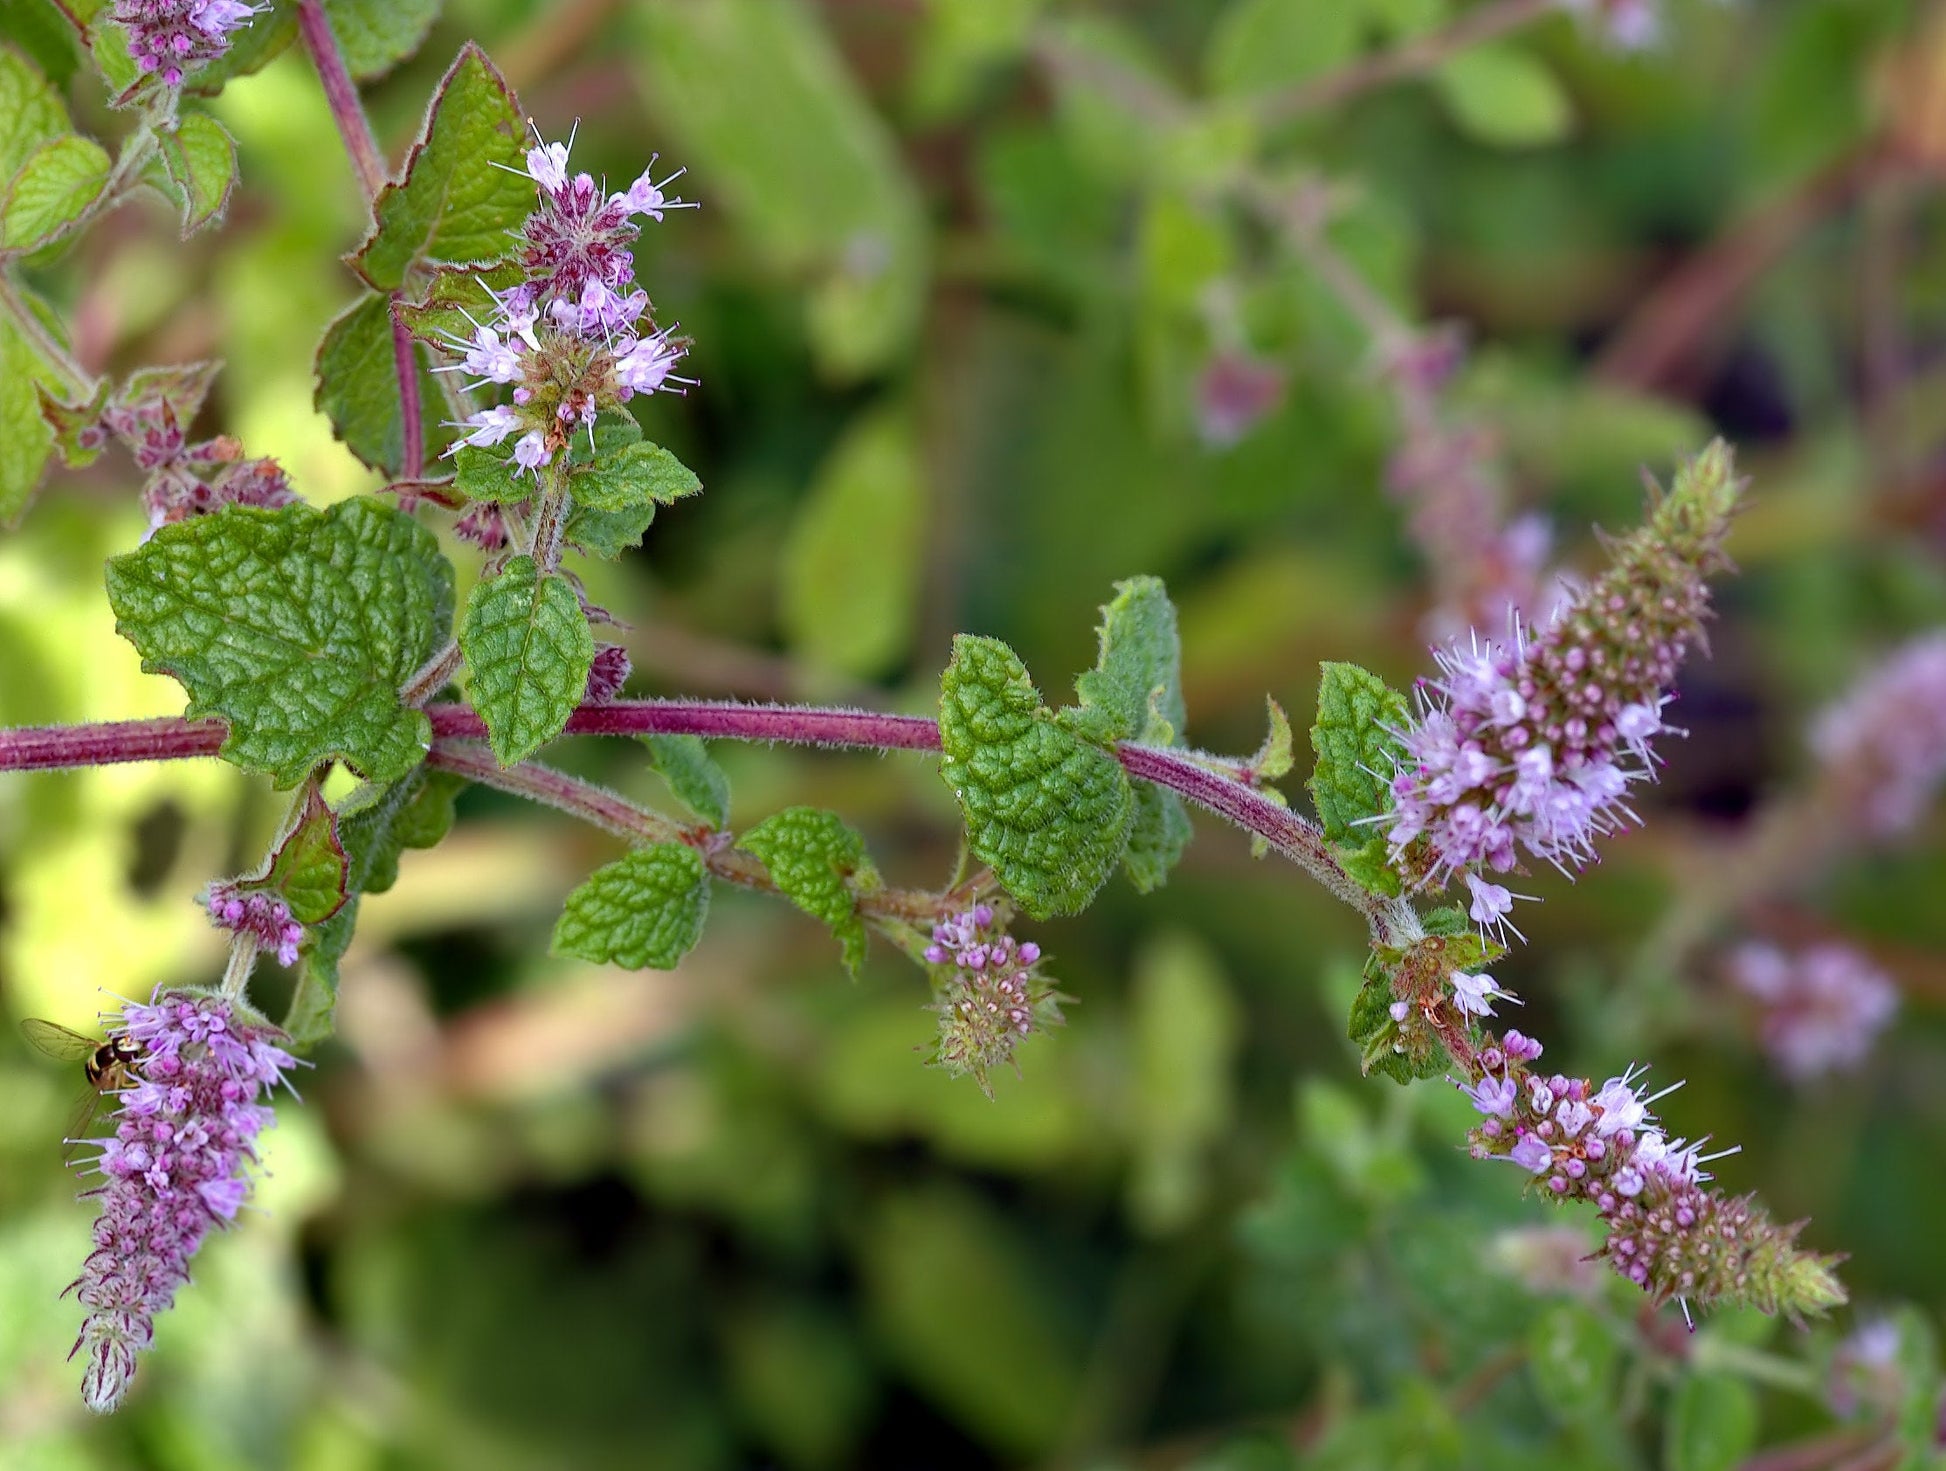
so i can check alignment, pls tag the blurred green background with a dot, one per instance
(952, 304)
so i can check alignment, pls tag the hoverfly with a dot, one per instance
(106, 1065)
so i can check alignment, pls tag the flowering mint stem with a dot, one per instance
(551, 516)
(456, 726)
(432, 676)
(341, 94)
(1415, 58)
(405, 362)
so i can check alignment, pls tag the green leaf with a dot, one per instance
(414, 813)
(251, 49)
(632, 476)
(646, 910)
(528, 647)
(1137, 676)
(26, 438)
(52, 190)
(607, 534)
(1157, 834)
(1260, 45)
(1185, 1027)
(685, 764)
(850, 576)
(820, 865)
(298, 626)
(456, 298)
(182, 387)
(376, 35)
(200, 157)
(1273, 760)
(1573, 1359)
(1712, 1424)
(1370, 866)
(309, 867)
(484, 475)
(767, 109)
(1048, 811)
(358, 385)
(1356, 713)
(1505, 96)
(454, 206)
(31, 111)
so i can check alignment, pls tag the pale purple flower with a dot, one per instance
(1491, 904)
(1532, 1153)
(1822, 1008)
(1234, 393)
(991, 995)
(1494, 1096)
(490, 358)
(1474, 995)
(490, 426)
(1628, 25)
(177, 1164)
(531, 451)
(547, 165)
(1621, 1105)
(259, 913)
(1884, 745)
(645, 196)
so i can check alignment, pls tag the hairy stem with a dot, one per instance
(456, 727)
(243, 960)
(551, 512)
(412, 409)
(432, 676)
(341, 95)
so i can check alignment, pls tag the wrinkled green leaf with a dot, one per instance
(645, 910)
(489, 475)
(376, 35)
(607, 534)
(631, 476)
(1405, 1052)
(26, 438)
(698, 782)
(851, 566)
(456, 298)
(454, 205)
(820, 864)
(298, 626)
(1354, 746)
(1137, 677)
(528, 647)
(200, 158)
(51, 191)
(1048, 811)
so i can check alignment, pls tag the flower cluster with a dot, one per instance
(1666, 1231)
(575, 336)
(259, 913)
(167, 36)
(177, 1164)
(1883, 746)
(1534, 743)
(993, 994)
(1821, 1009)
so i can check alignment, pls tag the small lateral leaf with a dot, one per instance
(297, 626)
(414, 813)
(1573, 1359)
(483, 475)
(458, 297)
(53, 189)
(1048, 811)
(200, 157)
(645, 910)
(631, 476)
(455, 205)
(26, 436)
(1353, 739)
(1405, 1052)
(1712, 1424)
(528, 647)
(607, 534)
(1273, 760)
(310, 868)
(1137, 676)
(685, 763)
(820, 865)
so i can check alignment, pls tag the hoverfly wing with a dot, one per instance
(57, 1041)
(83, 1118)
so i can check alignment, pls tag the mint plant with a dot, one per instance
(488, 370)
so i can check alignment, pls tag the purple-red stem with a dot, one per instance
(456, 727)
(341, 95)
